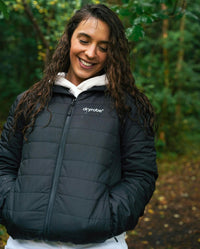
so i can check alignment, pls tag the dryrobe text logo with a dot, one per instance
(87, 110)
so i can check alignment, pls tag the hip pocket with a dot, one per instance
(7, 211)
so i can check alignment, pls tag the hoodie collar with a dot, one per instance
(83, 86)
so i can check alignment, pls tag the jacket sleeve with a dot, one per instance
(139, 173)
(10, 154)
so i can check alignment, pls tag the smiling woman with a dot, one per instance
(77, 155)
(88, 52)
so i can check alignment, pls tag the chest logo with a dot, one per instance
(87, 110)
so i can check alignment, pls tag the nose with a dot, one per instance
(91, 51)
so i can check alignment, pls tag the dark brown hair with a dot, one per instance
(117, 69)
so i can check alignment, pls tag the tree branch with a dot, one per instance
(174, 9)
(36, 27)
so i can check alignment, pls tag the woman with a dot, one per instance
(77, 157)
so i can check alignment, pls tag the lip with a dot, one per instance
(83, 63)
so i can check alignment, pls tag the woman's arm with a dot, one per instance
(10, 153)
(129, 197)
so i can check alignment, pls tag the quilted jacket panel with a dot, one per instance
(82, 178)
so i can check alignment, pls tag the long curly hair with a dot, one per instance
(117, 68)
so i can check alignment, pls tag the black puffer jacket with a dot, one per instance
(82, 178)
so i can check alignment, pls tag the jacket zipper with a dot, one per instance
(58, 167)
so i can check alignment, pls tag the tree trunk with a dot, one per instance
(165, 27)
(37, 29)
(179, 64)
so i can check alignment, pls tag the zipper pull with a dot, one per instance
(69, 113)
(116, 239)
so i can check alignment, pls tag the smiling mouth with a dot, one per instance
(87, 64)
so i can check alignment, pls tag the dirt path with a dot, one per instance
(172, 218)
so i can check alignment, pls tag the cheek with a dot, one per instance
(72, 52)
(74, 49)
(103, 59)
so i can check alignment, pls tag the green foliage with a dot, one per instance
(136, 15)
(3, 236)
(23, 53)
(176, 99)
(3, 9)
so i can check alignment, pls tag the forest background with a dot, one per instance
(164, 38)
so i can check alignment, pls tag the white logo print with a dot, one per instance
(86, 109)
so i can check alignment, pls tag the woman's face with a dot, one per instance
(88, 52)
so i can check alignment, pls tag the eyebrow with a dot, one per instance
(88, 36)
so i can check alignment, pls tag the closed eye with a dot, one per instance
(83, 41)
(104, 50)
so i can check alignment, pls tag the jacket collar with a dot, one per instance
(94, 83)
(64, 90)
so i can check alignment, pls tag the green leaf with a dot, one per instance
(143, 19)
(125, 1)
(139, 10)
(192, 15)
(135, 33)
(124, 12)
(3, 8)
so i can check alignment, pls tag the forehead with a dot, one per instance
(93, 27)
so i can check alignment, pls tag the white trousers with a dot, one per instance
(29, 244)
